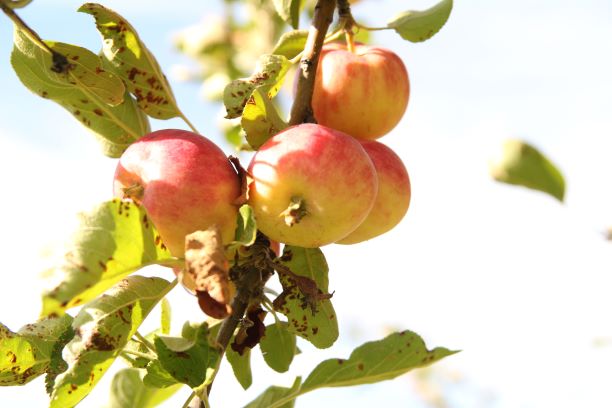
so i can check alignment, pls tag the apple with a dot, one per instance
(311, 186)
(362, 93)
(393, 198)
(184, 181)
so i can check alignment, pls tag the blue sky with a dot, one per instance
(517, 281)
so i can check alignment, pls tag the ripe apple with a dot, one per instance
(184, 181)
(393, 197)
(363, 94)
(311, 186)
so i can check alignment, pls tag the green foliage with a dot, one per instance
(371, 362)
(103, 327)
(260, 120)
(289, 11)
(113, 240)
(31, 351)
(272, 395)
(246, 229)
(313, 319)
(191, 359)
(95, 97)
(157, 376)
(291, 44)
(129, 391)
(268, 78)
(278, 346)
(241, 366)
(166, 316)
(523, 165)
(417, 26)
(129, 58)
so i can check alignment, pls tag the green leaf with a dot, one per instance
(166, 316)
(375, 361)
(135, 345)
(241, 366)
(30, 352)
(129, 391)
(157, 376)
(291, 44)
(192, 360)
(233, 136)
(320, 327)
(130, 59)
(103, 328)
(246, 229)
(289, 11)
(272, 395)
(260, 120)
(369, 363)
(57, 365)
(98, 99)
(268, 78)
(417, 26)
(113, 240)
(523, 165)
(278, 346)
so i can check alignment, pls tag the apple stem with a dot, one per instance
(135, 192)
(295, 212)
(350, 42)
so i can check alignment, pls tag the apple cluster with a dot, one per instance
(310, 185)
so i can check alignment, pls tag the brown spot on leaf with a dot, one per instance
(360, 367)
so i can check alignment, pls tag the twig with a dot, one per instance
(60, 62)
(301, 111)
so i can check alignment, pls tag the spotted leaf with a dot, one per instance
(132, 61)
(30, 352)
(95, 97)
(268, 77)
(103, 328)
(260, 120)
(308, 316)
(113, 240)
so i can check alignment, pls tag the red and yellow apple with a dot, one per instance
(362, 93)
(393, 198)
(184, 181)
(311, 186)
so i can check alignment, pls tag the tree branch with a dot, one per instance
(301, 111)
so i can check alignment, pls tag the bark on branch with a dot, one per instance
(301, 111)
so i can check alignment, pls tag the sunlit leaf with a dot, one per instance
(29, 353)
(190, 360)
(241, 366)
(278, 397)
(96, 98)
(260, 120)
(522, 164)
(246, 229)
(291, 44)
(130, 59)
(268, 77)
(289, 11)
(375, 361)
(166, 316)
(113, 240)
(278, 346)
(314, 320)
(417, 26)
(157, 376)
(103, 328)
(128, 391)
(369, 363)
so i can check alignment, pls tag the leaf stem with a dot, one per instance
(193, 128)
(188, 402)
(138, 354)
(144, 341)
(60, 62)
(301, 111)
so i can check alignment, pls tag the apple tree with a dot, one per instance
(217, 227)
